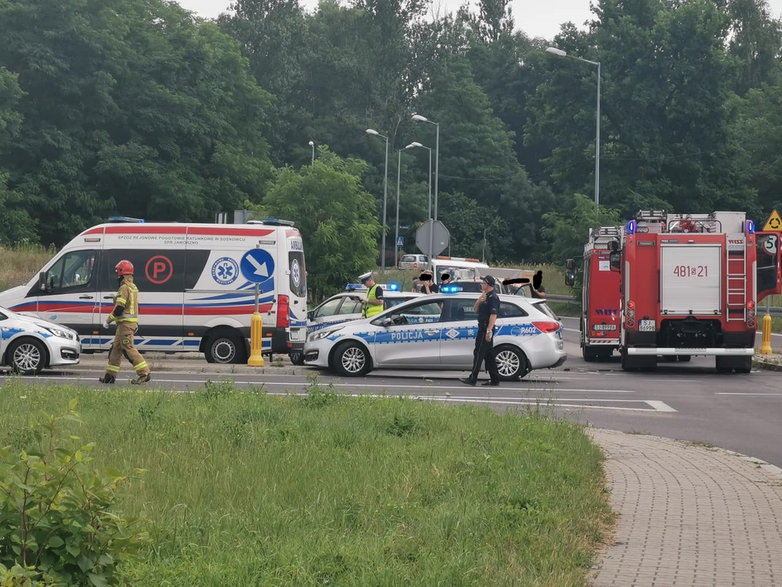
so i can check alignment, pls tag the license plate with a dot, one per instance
(604, 327)
(646, 325)
(299, 334)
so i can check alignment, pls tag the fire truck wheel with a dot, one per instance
(638, 363)
(511, 362)
(225, 347)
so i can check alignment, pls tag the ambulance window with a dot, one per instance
(298, 273)
(73, 270)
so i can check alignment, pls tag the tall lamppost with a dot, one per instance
(561, 53)
(431, 231)
(371, 131)
(419, 118)
(312, 144)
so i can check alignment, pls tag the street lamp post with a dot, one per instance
(371, 131)
(414, 145)
(419, 118)
(312, 144)
(561, 53)
(396, 231)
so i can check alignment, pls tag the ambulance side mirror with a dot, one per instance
(570, 273)
(615, 260)
(42, 281)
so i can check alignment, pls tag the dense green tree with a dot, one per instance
(335, 215)
(130, 107)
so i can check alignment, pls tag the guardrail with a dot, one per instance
(773, 311)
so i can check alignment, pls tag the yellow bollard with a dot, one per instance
(256, 328)
(765, 345)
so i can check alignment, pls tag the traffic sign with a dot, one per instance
(774, 222)
(432, 235)
(770, 244)
(257, 265)
(400, 242)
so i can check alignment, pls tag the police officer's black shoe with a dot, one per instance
(467, 380)
(107, 378)
(490, 383)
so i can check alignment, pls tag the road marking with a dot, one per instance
(747, 393)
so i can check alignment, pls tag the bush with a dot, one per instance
(56, 523)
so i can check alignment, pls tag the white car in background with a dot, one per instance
(28, 345)
(347, 305)
(438, 331)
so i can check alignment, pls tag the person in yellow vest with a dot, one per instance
(374, 302)
(125, 314)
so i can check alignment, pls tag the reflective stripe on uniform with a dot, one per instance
(112, 368)
(141, 366)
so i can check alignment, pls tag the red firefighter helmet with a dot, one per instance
(124, 267)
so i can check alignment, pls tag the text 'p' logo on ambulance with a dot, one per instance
(159, 269)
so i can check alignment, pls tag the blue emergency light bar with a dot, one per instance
(750, 227)
(354, 286)
(125, 219)
(390, 286)
(450, 289)
(630, 228)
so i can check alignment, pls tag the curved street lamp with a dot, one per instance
(419, 118)
(373, 132)
(561, 53)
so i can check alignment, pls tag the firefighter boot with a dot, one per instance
(107, 378)
(141, 379)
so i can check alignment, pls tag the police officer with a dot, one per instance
(125, 314)
(487, 306)
(374, 303)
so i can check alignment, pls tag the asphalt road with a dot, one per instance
(686, 401)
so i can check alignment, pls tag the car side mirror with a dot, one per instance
(386, 322)
(570, 264)
(615, 260)
(311, 315)
(570, 278)
(42, 281)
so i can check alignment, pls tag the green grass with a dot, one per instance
(18, 264)
(248, 489)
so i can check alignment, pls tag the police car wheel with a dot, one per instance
(27, 356)
(225, 348)
(511, 362)
(351, 360)
(297, 358)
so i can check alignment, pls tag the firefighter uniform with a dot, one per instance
(125, 315)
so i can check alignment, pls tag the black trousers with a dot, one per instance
(484, 353)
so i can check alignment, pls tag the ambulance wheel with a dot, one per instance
(511, 363)
(225, 347)
(297, 357)
(684, 358)
(27, 356)
(351, 359)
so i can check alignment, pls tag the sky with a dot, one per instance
(537, 18)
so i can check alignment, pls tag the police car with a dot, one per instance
(28, 345)
(438, 332)
(347, 305)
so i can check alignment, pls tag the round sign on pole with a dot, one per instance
(257, 265)
(770, 244)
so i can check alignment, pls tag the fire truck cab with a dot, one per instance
(690, 284)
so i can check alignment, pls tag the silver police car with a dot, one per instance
(28, 345)
(438, 332)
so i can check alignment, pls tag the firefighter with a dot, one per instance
(374, 304)
(125, 314)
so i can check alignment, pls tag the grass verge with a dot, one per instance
(243, 488)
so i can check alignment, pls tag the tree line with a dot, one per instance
(138, 108)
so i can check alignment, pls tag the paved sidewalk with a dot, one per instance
(689, 515)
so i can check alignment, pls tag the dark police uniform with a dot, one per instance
(484, 349)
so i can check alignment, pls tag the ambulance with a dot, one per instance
(199, 286)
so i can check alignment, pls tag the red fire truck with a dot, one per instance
(690, 286)
(600, 295)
